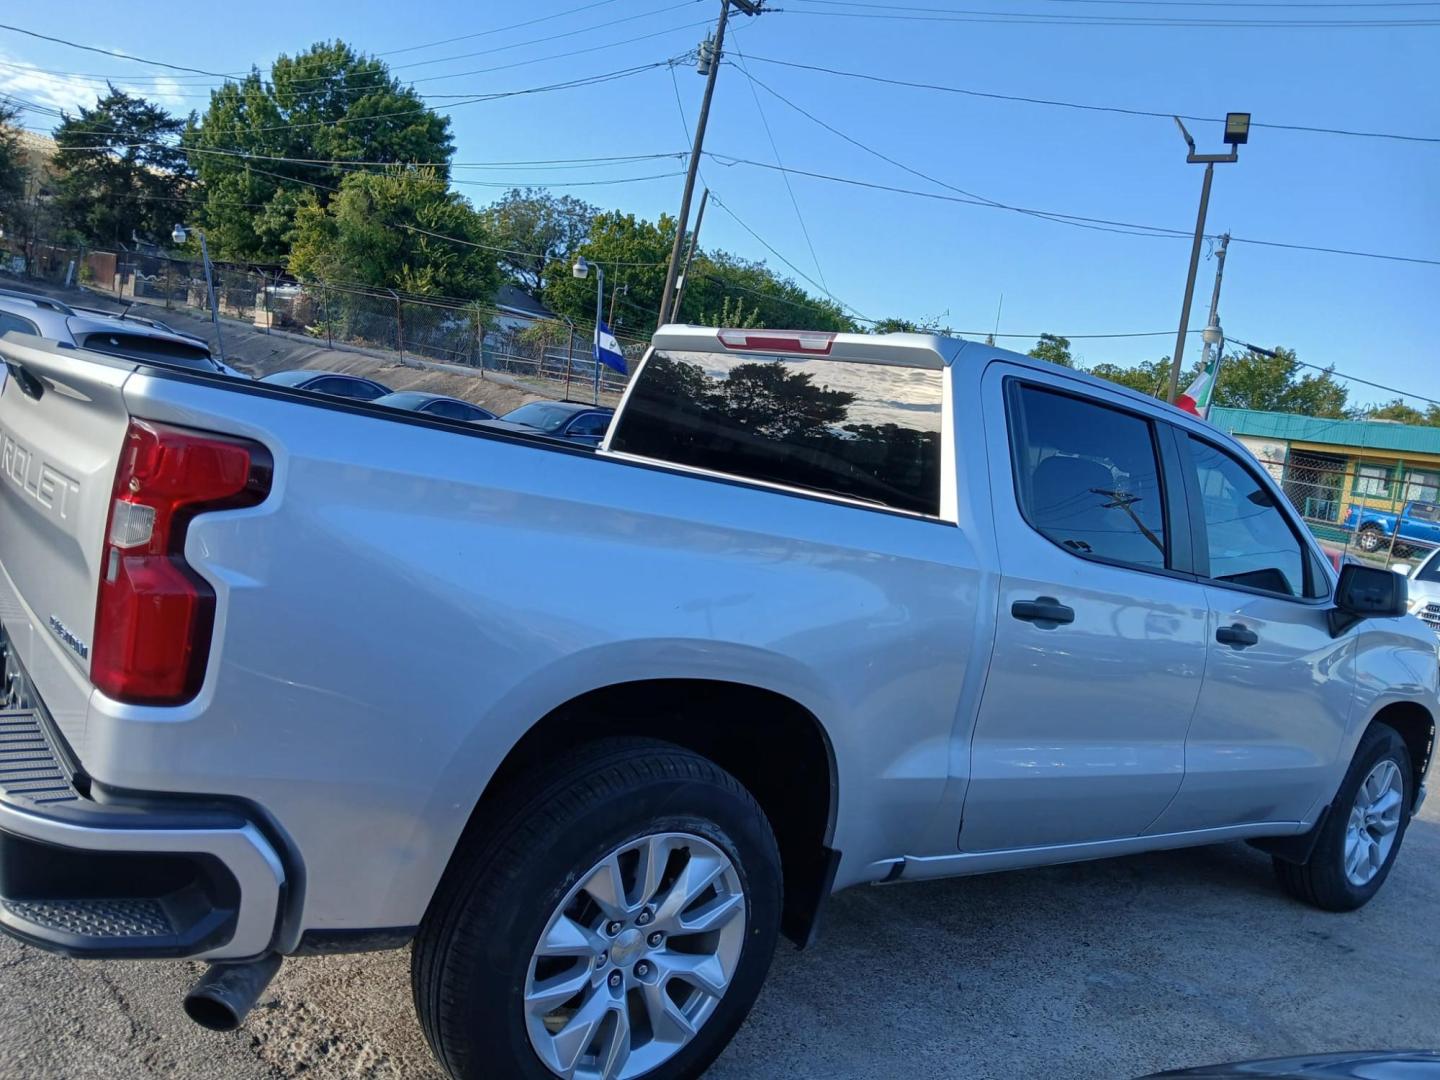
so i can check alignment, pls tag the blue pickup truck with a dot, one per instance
(1419, 527)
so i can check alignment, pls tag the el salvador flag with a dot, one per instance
(607, 349)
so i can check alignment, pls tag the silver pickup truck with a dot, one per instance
(288, 675)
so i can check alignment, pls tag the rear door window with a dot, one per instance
(864, 431)
(1088, 477)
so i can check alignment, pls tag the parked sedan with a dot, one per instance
(333, 383)
(435, 405)
(563, 419)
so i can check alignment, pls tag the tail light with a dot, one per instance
(155, 615)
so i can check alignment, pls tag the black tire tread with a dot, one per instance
(1307, 881)
(520, 820)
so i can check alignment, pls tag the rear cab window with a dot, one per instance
(864, 431)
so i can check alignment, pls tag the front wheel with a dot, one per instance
(1370, 539)
(614, 921)
(1361, 836)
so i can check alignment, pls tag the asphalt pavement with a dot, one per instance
(1097, 970)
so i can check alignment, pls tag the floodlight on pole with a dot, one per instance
(1237, 132)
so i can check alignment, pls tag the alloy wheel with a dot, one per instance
(635, 958)
(1374, 821)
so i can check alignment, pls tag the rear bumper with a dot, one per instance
(146, 879)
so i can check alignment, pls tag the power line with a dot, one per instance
(984, 199)
(1347, 378)
(912, 13)
(766, 244)
(1058, 103)
(506, 251)
(549, 37)
(774, 149)
(111, 52)
(498, 29)
(1155, 230)
(569, 84)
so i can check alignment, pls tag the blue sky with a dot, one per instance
(890, 254)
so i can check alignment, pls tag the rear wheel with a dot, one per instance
(614, 922)
(1361, 836)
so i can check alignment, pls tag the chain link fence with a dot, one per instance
(1377, 510)
(553, 355)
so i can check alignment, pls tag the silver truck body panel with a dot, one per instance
(411, 599)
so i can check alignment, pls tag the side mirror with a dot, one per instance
(1367, 592)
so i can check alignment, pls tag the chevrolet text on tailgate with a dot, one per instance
(289, 675)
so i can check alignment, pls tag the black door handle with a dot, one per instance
(1044, 611)
(1237, 635)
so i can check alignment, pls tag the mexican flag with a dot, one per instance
(1196, 399)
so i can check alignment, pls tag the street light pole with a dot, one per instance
(179, 235)
(599, 311)
(1237, 132)
(749, 7)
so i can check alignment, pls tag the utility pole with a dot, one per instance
(710, 67)
(1213, 335)
(1237, 132)
(684, 278)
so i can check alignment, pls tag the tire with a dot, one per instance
(1370, 539)
(513, 879)
(1323, 880)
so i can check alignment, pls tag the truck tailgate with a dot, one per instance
(59, 448)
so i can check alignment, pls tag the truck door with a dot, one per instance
(1101, 642)
(1278, 687)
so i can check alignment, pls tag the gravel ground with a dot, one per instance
(1104, 970)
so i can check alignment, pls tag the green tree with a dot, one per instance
(13, 170)
(120, 175)
(769, 299)
(896, 326)
(633, 252)
(327, 104)
(1400, 411)
(734, 313)
(1253, 380)
(1055, 349)
(1148, 376)
(370, 234)
(539, 231)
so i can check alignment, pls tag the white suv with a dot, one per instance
(130, 336)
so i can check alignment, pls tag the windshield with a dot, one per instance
(539, 414)
(1429, 570)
